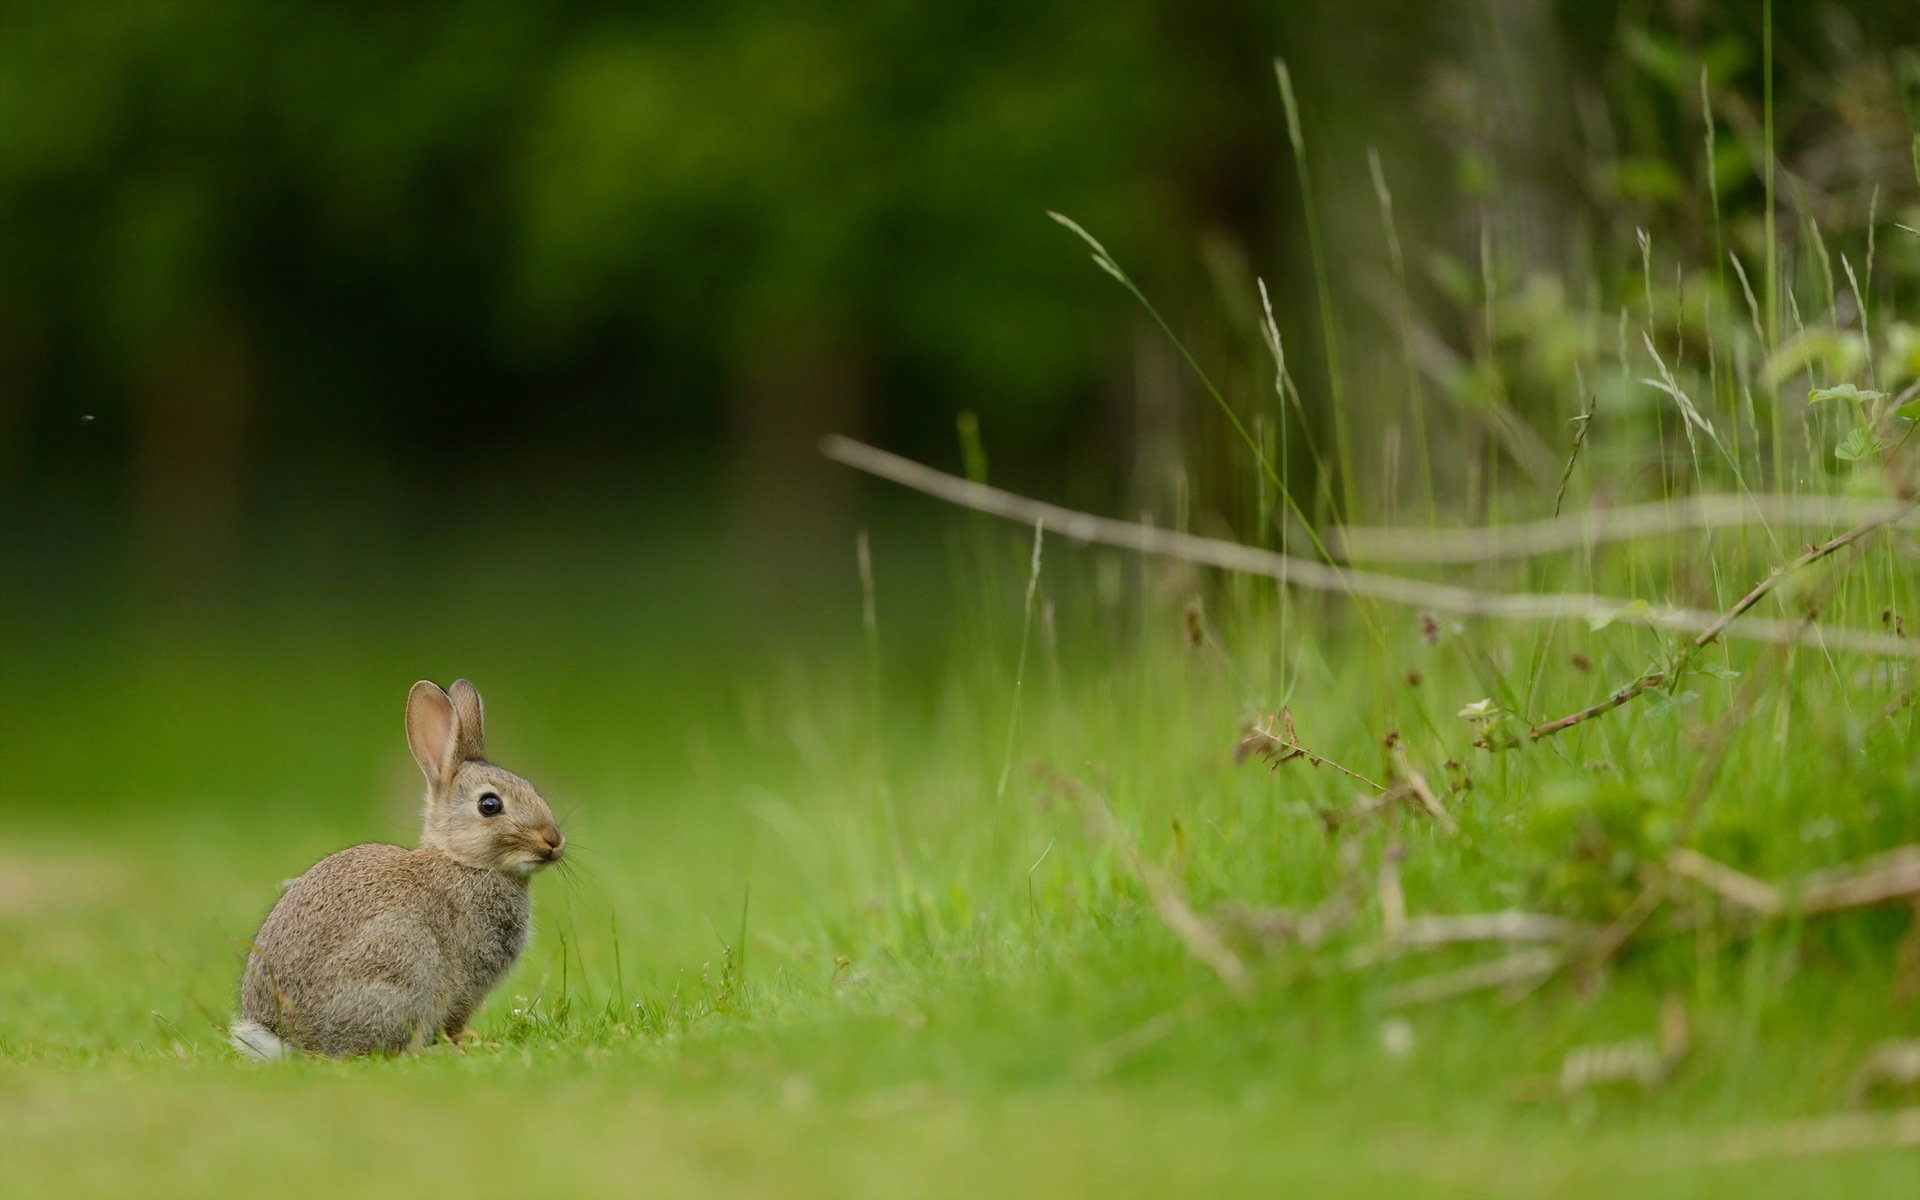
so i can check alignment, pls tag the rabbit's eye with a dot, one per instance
(490, 805)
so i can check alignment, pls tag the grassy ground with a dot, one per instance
(975, 896)
(813, 945)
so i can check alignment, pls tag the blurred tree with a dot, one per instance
(253, 239)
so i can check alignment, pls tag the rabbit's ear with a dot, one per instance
(432, 730)
(469, 727)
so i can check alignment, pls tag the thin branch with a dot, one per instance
(1259, 739)
(1651, 679)
(1364, 806)
(1600, 949)
(1393, 901)
(1506, 926)
(1886, 878)
(1199, 936)
(1418, 782)
(1522, 966)
(1104, 1057)
(1719, 626)
(1437, 932)
(1319, 576)
(1737, 886)
(1894, 875)
(1360, 543)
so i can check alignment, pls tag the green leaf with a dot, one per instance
(1859, 444)
(1635, 609)
(1910, 410)
(1845, 391)
(1667, 702)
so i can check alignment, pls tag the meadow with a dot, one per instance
(1025, 923)
(1287, 857)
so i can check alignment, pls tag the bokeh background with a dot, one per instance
(346, 343)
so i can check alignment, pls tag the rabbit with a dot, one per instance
(378, 948)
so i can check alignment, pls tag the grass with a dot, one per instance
(981, 998)
(955, 885)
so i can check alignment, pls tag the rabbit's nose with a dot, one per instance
(555, 844)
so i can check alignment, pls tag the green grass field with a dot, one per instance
(810, 945)
(1071, 871)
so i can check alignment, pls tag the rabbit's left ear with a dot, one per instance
(431, 731)
(469, 726)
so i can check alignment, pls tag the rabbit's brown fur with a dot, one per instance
(380, 948)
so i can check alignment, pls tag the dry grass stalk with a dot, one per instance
(1319, 576)
(1906, 962)
(1642, 1062)
(1720, 626)
(1507, 926)
(1364, 806)
(1635, 1061)
(1600, 950)
(1886, 878)
(1109, 1054)
(1434, 932)
(1418, 784)
(1850, 1133)
(1270, 927)
(1882, 879)
(1393, 901)
(1259, 740)
(1200, 937)
(1661, 518)
(1889, 1067)
(1520, 967)
(1743, 889)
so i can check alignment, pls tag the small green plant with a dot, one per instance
(1873, 413)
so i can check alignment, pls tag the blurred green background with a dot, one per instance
(495, 339)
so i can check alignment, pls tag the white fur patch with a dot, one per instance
(256, 1041)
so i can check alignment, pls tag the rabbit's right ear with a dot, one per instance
(432, 730)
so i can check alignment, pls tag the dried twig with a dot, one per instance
(1621, 695)
(1522, 966)
(1259, 740)
(1886, 878)
(1891, 877)
(1109, 1054)
(1393, 901)
(1906, 959)
(1190, 928)
(1889, 1067)
(1311, 927)
(1601, 948)
(1364, 806)
(1507, 926)
(1417, 783)
(1737, 886)
(1882, 879)
(1199, 936)
(1634, 1061)
(1319, 576)
(1355, 543)
(1643, 1062)
(1435, 932)
(1717, 628)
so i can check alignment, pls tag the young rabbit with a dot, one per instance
(379, 948)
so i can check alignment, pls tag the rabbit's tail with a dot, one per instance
(256, 1041)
